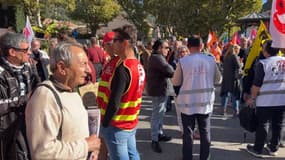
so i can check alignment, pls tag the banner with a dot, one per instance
(28, 31)
(261, 35)
(277, 23)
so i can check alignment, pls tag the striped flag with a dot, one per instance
(277, 23)
(28, 31)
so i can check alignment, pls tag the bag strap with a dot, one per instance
(58, 101)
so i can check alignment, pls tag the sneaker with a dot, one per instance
(250, 149)
(156, 147)
(270, 152)
(282, 145)
(164, 138)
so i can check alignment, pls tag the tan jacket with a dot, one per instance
(43, 119)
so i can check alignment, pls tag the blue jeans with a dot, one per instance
(188, 122)
(158, 110)
(121, 144)
(235, 101)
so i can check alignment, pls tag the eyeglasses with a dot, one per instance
(182, 51)
(166, 47)
(24, 50)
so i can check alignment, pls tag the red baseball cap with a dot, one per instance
(109, 36)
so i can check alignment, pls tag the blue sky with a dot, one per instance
(263, 1)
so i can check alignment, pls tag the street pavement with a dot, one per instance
(228, 142)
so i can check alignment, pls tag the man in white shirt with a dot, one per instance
(196, 74)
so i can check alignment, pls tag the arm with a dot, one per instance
(3, 98)
(119, 84)
(257, 83)
(164, 67)
(8, 99)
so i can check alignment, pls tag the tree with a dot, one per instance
(96, 12)
(137, 14)
(58, 9)
(187, 17)
(20, 19)
(34, 8)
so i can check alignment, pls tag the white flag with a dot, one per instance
(28, 31)
(277, 23)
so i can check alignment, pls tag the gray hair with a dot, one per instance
(10, 40)
(62, 52)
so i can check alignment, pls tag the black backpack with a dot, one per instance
(13, 141)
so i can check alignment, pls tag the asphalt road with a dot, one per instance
(227, 137)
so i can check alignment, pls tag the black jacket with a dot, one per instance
(157, 74)
(15, 87)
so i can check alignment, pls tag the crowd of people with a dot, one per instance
(43, 116)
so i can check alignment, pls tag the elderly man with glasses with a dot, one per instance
(17, 79)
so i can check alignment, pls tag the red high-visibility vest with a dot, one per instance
(127, 115)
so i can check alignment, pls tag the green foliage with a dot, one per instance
(49, 29)
(20, 18)
(175, 17)
(96, 12)
(58, 9)
(137, 14)
(185, 17)
(37, 29)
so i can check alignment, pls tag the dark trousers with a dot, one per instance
(188, 122)
(266, 115)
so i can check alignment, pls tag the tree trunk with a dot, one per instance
(38, 16)
(94, 28)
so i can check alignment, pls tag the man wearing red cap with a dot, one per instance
(107, 72)
(107, 44)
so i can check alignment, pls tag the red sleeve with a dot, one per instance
(90, 55)
(93, 72)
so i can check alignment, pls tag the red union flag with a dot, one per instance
(28, 31)
(277, 23)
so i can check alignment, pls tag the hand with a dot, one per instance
(246, 96)
(250, 102)
(94, 143)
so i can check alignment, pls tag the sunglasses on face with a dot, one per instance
(24, 50)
